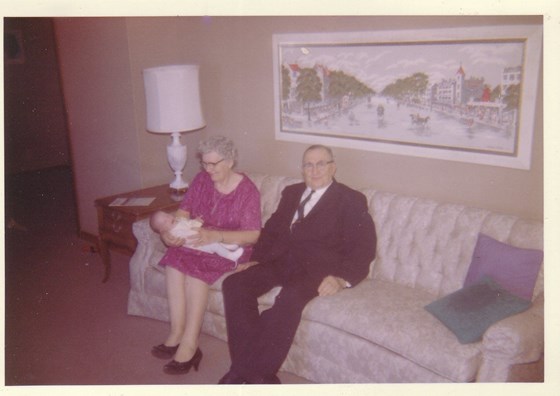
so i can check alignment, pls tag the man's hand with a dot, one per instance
(331, 285)
(244, 266)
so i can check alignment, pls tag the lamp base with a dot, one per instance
(177, 157)
(177, 195)
(179, 185)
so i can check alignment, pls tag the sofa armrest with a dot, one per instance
(514, 340)
(148, 252)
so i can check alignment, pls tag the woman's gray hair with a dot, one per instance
(218, 144)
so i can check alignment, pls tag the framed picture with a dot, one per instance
(457, 94)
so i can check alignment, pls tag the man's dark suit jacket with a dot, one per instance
(336, 238)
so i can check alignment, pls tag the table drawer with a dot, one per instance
(117, 225)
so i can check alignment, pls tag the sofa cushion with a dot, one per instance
(470, 311)
(154, 281)
(515, 269)
(393, 317)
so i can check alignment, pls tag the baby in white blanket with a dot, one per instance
(183, 228)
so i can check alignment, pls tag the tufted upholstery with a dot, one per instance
(379, 331)
(428, 245)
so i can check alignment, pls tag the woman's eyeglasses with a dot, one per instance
(208, 165)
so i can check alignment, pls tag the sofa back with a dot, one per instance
(423, 243)
(428, 244)
(270, 188)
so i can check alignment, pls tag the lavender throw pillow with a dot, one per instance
(515, 269)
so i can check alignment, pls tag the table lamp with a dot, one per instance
(172, 107)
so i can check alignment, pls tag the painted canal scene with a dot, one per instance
(462, 95)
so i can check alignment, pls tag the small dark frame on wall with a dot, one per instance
(465, 94)
(13, 47)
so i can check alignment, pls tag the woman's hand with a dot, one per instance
(204, 236)
(171, 240)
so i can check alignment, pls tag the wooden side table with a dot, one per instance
(115, 222)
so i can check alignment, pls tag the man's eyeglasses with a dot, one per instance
(208, 165)
(320, 166)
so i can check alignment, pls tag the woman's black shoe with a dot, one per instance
(175, 367)
(163, 351)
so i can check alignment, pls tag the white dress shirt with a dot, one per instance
(312, 202)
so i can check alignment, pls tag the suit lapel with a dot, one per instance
(296, 199)
(327, 197)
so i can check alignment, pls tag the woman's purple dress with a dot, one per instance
(238, 210)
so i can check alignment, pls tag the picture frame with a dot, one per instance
(465, 94)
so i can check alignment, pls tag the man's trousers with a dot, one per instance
(260, 342)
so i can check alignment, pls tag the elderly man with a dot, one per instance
(320, 240)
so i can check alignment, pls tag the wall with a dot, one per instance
(95, 70)
(35, 125)
(235, 55)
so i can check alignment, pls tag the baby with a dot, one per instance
(183, 228)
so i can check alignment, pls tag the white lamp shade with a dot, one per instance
(173, 99)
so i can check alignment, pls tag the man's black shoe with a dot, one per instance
(271, 379)
(231, 378)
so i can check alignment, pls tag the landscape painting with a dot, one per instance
(441, 96)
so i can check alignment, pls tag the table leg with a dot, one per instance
(105, 257)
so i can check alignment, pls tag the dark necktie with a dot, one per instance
(302, 206)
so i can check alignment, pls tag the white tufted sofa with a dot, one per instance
(379, 331)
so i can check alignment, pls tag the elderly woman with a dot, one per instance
(228, 203)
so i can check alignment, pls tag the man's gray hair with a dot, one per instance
(320, 147)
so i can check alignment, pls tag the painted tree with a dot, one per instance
(410, 87)
(511, 98)
(341, 84)
(496, 93)
(286, 83)
(308, 88)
